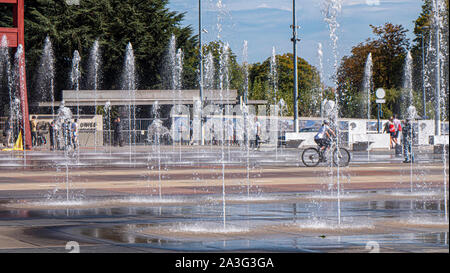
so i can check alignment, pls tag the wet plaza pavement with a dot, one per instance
(109, 201)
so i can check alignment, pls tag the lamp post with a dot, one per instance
(294, 42)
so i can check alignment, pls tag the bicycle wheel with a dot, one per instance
(341, 157)
(310, 157)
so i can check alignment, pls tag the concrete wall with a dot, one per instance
(359, 133)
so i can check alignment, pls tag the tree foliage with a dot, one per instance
(388, 49)
(147, 24)
(308, 83)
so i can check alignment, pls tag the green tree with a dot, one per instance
(147, 24)
(424, 30)
(388, 50)
(308, 81)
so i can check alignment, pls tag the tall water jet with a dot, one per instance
(75, 76)
(173, 71)
(169, 64)
(129, 84)
(209, 72)
(155, 132)
(273, 76)
(19, 75)
(5, 71)
(320, 57)
(273, 79)
(177, 74)
(245, 67)
(224, 82)
(367, 88)
(245, 113)
(439, 15)
(46, 74)
(63, 119)
(93, 77)
(366, 95)
(331, 9)
(407, 87)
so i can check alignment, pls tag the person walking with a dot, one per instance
(33, 127)
(408, 135)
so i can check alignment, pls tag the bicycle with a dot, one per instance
(311, 157)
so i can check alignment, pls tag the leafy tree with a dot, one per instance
(147, 24)
(308, 81)
(424, 31)
(388, 54)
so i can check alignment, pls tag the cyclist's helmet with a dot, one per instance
(326, 122)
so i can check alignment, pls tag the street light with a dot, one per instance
(423, 73)
(294, 41)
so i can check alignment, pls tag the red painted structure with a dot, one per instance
(16, 37)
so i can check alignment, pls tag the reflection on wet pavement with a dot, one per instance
(414, 225)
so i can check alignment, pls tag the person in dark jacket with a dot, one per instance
(408, 135)
(117, 127)
(51, 132)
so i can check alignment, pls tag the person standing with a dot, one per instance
(74, 133)
(398, 129)
(33, 127)
(117, 132)
(257, 133)
(66, 132)
(408, 135)
(51, 133)
(389, 128)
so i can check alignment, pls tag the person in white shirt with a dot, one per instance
(323, 137)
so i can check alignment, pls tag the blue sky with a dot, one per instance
(265, 24)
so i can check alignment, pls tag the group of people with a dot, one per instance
(61, 134)
(64, 134)
(394, 127)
